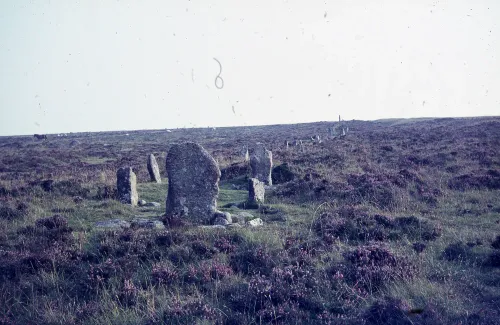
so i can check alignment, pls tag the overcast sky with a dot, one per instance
(126, 65)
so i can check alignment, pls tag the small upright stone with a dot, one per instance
(153, 169)
(193, 182)
(246, 154)
(256, 192)
(261, 162)
(126, 185)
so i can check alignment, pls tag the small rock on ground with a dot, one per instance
(255, 222)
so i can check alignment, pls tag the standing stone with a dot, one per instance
(126, 185)
(154, 171)
(261, 162)
(246, 154)
(193, 182)
(256, 192)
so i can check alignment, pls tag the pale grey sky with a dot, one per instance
(123, 65)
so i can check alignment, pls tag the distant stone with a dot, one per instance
(147, 223)
(261, 162)
(256, 191)
(141, 203)
(113, 224)
(193, 182)
(153, 204)
(126, 185)
(255, 222)
(153, 169)
(246, 154)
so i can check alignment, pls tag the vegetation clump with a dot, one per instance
(479, 180)
(352, 225)
(373, 266)
(282, 173)
(11, 210)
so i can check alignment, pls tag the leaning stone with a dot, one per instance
(261, 162)
(246, 154)
(255, 222)
(193, 183)
(113, 224)
(126, 184)
(147, 223)
(256, 191)
(153, 169)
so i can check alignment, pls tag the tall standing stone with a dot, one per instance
(153, 169)
(256, 192)
(126, 184)
(193, 182)
(261, 162)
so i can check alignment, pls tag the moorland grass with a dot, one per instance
(368, 231)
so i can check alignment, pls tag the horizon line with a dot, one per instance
(257, 125)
